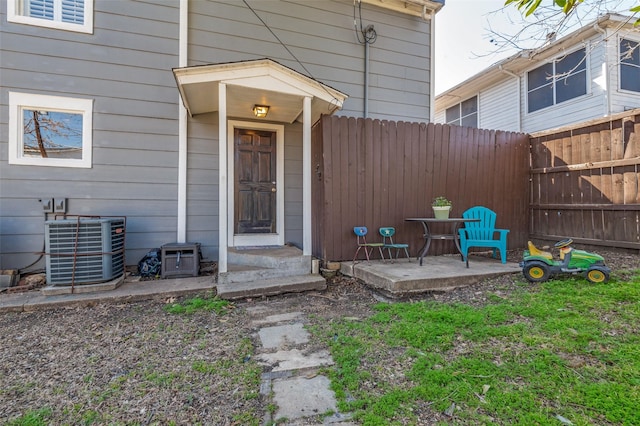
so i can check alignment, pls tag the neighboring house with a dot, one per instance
(145, 109)
(590, 73)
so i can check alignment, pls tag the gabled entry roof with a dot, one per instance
(255, 82)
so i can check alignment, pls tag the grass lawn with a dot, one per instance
(562, 352)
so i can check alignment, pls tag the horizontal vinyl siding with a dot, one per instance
(498, 106)
(592, 105)
(202, 184)
(621, 100)
(293, 184)
(125, 68)
(624, 101)
(321, 35)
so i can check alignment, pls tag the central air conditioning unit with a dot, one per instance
(84, 250)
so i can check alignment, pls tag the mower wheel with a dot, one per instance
(536, 271)
(597, 275)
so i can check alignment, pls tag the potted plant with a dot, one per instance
(441, 207)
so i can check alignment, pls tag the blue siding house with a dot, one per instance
(191, 118)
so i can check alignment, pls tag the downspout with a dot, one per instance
(432, 71)
(366, 80)
(605, 71)
(369, 36)
(518, 82)
(182, 127)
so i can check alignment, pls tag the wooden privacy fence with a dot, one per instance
(377, 173)
(584, 182)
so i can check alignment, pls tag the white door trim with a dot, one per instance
(276, 238)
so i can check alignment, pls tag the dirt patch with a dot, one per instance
(137, 363)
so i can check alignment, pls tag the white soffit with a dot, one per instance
(263, 82)
(422, 8)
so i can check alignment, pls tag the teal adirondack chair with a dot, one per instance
(482, 233)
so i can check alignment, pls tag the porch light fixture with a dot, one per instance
(260, 111)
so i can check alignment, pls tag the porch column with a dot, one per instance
(306, 176)
(222, 180)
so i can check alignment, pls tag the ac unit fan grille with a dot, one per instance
(85, 251)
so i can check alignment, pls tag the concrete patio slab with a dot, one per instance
(129, 291)
(438, 273)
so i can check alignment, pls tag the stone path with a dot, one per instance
(293, 382)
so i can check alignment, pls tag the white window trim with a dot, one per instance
(624, 37)
(14, 15)
(20, 101)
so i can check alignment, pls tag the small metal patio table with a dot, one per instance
(456, 223)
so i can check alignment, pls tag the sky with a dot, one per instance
(463, 40)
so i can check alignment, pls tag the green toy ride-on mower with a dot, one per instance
(539, 265)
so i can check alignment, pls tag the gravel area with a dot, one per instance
(136, 363)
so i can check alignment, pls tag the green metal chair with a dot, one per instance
(482, 233)
(387, 240)
(361, 232)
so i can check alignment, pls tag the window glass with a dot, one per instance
(464, 113)
(558, 81)
(470, 120)
(453, 114)
(571, 87)
(629, 52)
(42, 9)
(51, 134)
(469, 106)
(630, 78)
(540, 76)
(49, 130)
(629, 65)
(571, 64)
(540, 98)
(73, 11)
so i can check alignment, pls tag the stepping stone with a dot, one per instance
(300, 397)
(295, 359)
(274, 319)
(281, 336)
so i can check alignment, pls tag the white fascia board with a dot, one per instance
(258, 75)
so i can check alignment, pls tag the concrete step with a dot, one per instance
(243, 273)
(271, 286)
(285, 257)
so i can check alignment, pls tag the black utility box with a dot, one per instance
(180, 260)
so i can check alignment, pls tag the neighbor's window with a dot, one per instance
(558, 81)
(629, 65)
(464, 114)
(71, 15)
(49, 130)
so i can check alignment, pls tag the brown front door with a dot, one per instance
(255, 181)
